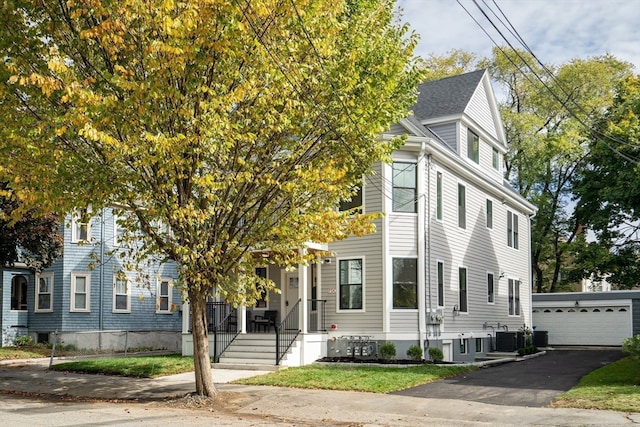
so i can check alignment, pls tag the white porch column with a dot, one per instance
(186, 317)
(303, 294)
(242, 313)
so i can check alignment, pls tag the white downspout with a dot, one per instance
(422, 226)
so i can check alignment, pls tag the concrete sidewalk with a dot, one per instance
(299, 406)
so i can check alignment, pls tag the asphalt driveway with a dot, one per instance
(534, 382)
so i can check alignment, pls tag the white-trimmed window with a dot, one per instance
(514, 297)
(44, 293)
(473, 146)
(489, 214)
(495, 159)
(464, 345)
(163, 296)
(118, 231)
(121, 294)
(405, 283)
(80, 292)
(81, 226)
(490, 289)
(462, 206)
(405, 190)
(479, 345)
(512, 230)
(462, 290)
(439, 200)
(440, 284)
(351, 284)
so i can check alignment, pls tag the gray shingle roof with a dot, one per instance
(448, 96)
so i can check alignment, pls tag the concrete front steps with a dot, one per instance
(251, 352)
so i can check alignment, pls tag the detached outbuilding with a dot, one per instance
(587, 318)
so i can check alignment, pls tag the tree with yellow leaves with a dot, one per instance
(236, 125)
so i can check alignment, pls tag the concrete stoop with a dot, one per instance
(251, 352)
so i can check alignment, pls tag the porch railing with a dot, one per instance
(287, 332)
(317, 315)
(222, 322)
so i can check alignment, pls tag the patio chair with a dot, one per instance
(265, 320)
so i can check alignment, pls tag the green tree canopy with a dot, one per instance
(236, 125)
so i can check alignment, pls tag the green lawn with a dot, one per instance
(368, 379)
(140, 367)
(615, 387)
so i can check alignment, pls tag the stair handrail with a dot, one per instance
(286, 336)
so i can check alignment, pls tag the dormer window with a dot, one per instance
(473, 146)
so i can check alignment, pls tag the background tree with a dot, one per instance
(548, 116)
(608, 191)
(219, 128)
(34, 240)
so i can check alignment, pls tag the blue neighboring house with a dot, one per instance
(87, 297)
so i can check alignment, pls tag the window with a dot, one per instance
(489, 214)
(462, 287)
(440, 284)
(355, 202)
(464, 345)
(118, 231)
(512, 230)
(261, 272)
(121, 295)
(163, 299)
(479, 345)
(439, 196)
(490, 295)
(44, 292)
(405, 283)
(473, 146)
(19, 293)
(462, 206)
(81, 226)
(80, 292)
(351, 284)
(514, 297)
(404, 187)
(495, 159)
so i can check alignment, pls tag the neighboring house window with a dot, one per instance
(44, 292)
(405, 189)
(496, 159)
(440, 284)
(512, 230)
(262, 301)
(118, 231)
(514, 297)
(462, 287)
(464, 345)
(479, 345)
(80, 292)
(439, 196)
(473, 146)
(121, 295)
(19, 293)
(405, 283)
(462, 206)
(355, 202)
(351, 284)
(489, 214)
(490, 291)
(81, 226)
(163, 299)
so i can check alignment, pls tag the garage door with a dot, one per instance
(606, 325)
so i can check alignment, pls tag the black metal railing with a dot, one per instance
(316, 320)
(222, 322)
(287, 331)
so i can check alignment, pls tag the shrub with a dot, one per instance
(436, 354)
(414, 352)
(388, 350)
(631, 347)
(23, 340)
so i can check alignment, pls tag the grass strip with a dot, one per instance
(139, 367)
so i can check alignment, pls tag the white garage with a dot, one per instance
(587, 318)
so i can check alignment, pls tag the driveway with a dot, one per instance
(533, 382)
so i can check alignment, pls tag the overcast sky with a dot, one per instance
(555, 30)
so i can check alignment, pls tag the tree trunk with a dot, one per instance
(201, 359)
